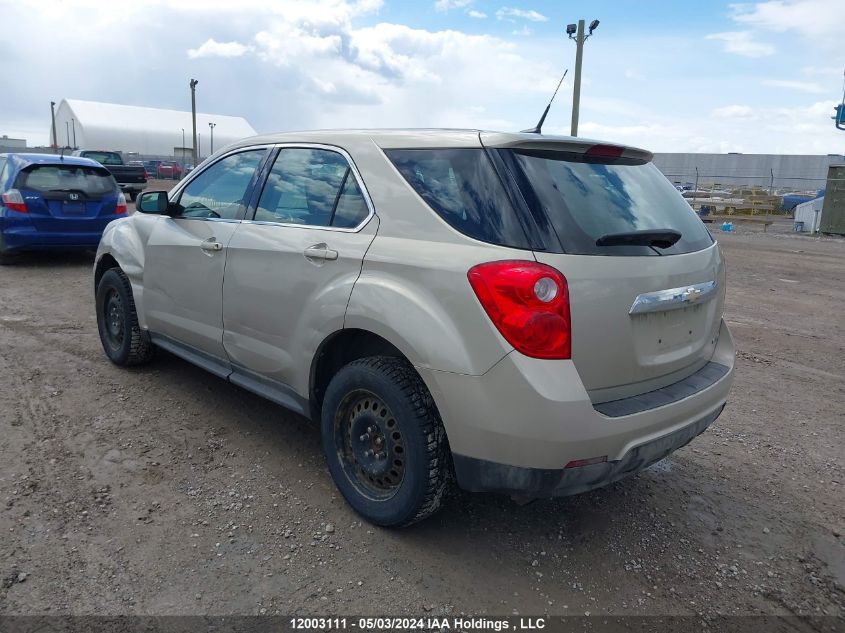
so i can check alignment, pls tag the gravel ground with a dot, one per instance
(164, 490)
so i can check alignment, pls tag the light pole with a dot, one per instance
(194, 83)
(67, 133)
(182, 152)
(199, 146)
(212, 126)
(577, 34)
(53, 117)
(73, 127)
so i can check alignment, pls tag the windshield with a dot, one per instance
(583, 198)
(92, 181)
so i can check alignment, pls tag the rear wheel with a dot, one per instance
(384, 442)
(124, 342)
(133, 196)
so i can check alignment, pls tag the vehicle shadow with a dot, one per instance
(464, 516)
(40, 259)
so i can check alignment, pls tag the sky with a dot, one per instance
(666, 75)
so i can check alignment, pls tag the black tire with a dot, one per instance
(384, 399)
(133, 196)
(124, 342)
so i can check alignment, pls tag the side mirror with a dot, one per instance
(152, 202)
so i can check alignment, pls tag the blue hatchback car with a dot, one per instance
(54, 202)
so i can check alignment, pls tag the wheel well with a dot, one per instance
(106, 262)
(341, 349)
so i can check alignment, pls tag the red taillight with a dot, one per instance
(13, 200)
(528, 303)
(146, 175)
(121, 205)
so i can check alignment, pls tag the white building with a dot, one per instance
(810, 213)
(147, 131)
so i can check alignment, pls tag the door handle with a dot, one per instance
(320, 252)
(211, 245)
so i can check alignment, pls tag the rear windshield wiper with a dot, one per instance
(661, 238)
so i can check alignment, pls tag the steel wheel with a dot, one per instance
(369, 444)
(114, 318)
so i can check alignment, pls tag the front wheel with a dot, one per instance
(384, 442)
(124, 342)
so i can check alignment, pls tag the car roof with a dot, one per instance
(23, 160)
(408, 138)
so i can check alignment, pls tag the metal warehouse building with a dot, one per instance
(779, 171)
(147, 131)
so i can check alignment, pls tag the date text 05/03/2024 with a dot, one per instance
(418, 624)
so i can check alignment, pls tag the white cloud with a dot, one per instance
(802, 86)
(446, 5)
(523, 32)
(525, 14)
(733, 112)
(479, 15)
(803, 129)
(213, 48)
(821, 20)
(630, 73)
(742, 43)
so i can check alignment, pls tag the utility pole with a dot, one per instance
(194, 83)
(73, 127)
(212, 126)
(182, 151)
(577, 34)
(53, 116)
(67, 133)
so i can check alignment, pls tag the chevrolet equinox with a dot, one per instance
(517, 313)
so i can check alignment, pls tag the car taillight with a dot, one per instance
(121, 205)
(528, 303)
(13, 200)
(146, 175)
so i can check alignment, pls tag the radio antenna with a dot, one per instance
(538, 128)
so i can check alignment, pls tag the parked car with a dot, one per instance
(131, 178)
(169, 170)
(51, 202)
(524, 314)
(152, 168)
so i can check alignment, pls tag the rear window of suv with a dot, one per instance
(463, 188)
(584, 198)
(92, 181)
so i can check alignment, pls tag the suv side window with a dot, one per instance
(220, 190)
(2, 170)
(311, 187)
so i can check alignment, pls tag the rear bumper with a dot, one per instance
(478, 475)
(132, 187)
(26, 238)
(515, 428)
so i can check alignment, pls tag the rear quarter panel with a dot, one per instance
(413, 289)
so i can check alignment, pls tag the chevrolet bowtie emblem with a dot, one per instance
(692, 294)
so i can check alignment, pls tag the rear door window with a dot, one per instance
(585, 198)
(312, 187)
(91, 181)
(462, 187)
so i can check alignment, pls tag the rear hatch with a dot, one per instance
(646, 280)
(68, 198)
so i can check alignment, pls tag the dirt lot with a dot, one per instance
(164, 490)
